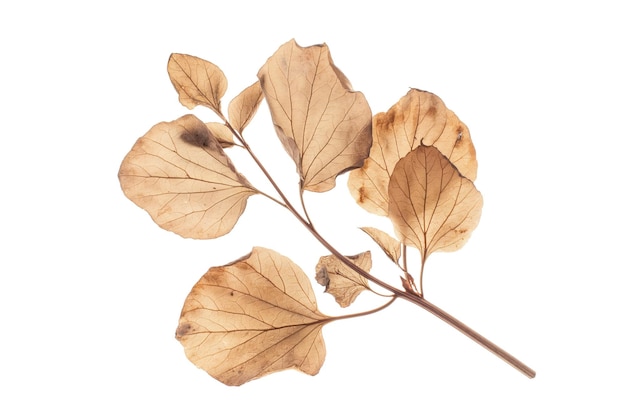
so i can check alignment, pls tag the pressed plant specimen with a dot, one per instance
(414, 164)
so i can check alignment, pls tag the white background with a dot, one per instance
(91, 288)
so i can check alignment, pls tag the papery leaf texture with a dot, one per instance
(180, 175)
(221, 133)
(198, 82)
(324, 125)
(390, 245)
(431, 205)
(417, 118)
(242, 108)
(252, 317)
(341, 281)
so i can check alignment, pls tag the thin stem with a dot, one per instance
(285, 201)
(306, 213)
(368, 312)
(421, 290)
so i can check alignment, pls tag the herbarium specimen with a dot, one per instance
(414, 164)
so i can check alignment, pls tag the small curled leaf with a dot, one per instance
(242, 108)
(250, 318)
(340, 280)
(180, 175)
(198, 82)
(388, 244)
(222, 134)
(431, 205)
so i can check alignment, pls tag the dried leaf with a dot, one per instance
(255, 316)
(198, 82)
(242, 108)
(340, 280)
(388, 244)
(431, 205)
(324, 125)
(222, 133)
(418, 117)
(179, 173)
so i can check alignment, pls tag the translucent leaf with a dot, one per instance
(388, 244)
(340, 280)
(198, 82)
(431, 205)
(324, 125)
(179, 174)
(242, 108)
(418, 117)
(255, 316)
(222, 133)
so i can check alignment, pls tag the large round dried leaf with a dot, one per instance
(179, 173)
(431, 205)
(324, 125)
(253, 317)
(198, 82)
(417, 118)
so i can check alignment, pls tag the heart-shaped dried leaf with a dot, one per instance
(431, 205)
(242, 108)
(418, 117)
(179, 174)
(255, 316)
(388, 244)
(324, 125)
(340, 280)
(198, 82)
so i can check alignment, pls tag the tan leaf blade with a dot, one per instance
(198, 82)
(222, 133)
(180, 175)
(388, 244)
(253, 317)
(418, 117)
(242, 108)
(431, 205)
(323, 124)
(340, 280)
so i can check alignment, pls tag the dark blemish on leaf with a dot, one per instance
(183, 330)
(459, 137)
(232, 293)
(197, 137)
(362, 193)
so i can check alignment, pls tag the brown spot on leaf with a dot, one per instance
(183, 330)
(197, 137)
(362, 194)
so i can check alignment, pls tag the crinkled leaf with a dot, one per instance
(340, 280)
(324, 125)
(255, 316)
(179, 174)
(198, 82)
(242, 108)
(431, 205)
(388, 244)
(418, 117)
(222, 133)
